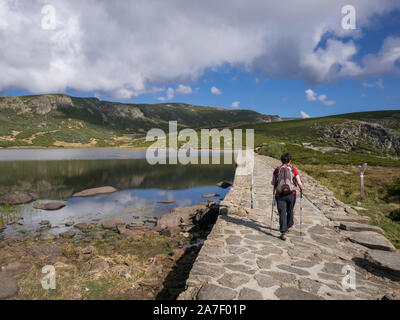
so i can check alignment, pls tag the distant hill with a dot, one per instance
(64, 121)
(345, 138)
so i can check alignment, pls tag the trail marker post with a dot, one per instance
(363, 168)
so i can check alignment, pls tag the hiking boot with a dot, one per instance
(283, 236)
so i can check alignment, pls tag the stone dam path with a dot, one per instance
(243, 259)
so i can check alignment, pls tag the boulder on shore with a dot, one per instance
(95, 192)
(51, 206)
(113, 223)
(68, 234)
(9, 287)
(185, 218)
(223, 184)
(17, 197)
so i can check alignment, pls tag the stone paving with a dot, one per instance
(244, 259)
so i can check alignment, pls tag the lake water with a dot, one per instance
(58, 174)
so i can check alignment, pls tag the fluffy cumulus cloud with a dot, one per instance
(313, 96)
(216, 91)
(180, 90)
(126, 48)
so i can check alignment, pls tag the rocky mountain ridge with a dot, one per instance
(350, 134)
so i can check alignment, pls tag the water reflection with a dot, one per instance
(141, 186)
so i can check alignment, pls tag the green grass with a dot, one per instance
(381, 195)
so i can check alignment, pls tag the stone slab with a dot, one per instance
(353, 226)
(347, 218)
(371, 240)
(386, 260)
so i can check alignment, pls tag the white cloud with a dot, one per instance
(304, 115)
(235, 105)
(216, 91)
(184, 89)
(378, 83)
(329, 103)
(129, 47)
(313, 96)
(171, 92)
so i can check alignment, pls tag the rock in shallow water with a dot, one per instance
(212, 195)
(52, 206)
(95, 192)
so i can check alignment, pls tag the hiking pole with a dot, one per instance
(272, 211)
(301, 212)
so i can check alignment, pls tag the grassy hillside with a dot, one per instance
(353, 146)
(63, 121)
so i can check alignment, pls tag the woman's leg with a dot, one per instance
(291, 202)
(282, 209)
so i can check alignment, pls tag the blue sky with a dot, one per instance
(344, 71)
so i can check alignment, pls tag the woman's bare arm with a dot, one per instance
(299, 183)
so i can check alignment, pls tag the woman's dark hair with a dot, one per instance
(286, 158)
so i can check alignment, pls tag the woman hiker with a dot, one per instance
(285, 179)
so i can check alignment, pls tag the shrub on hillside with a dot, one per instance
(272, 149)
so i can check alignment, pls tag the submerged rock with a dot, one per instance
(95, 192)
(51, 206)
(212, 195)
